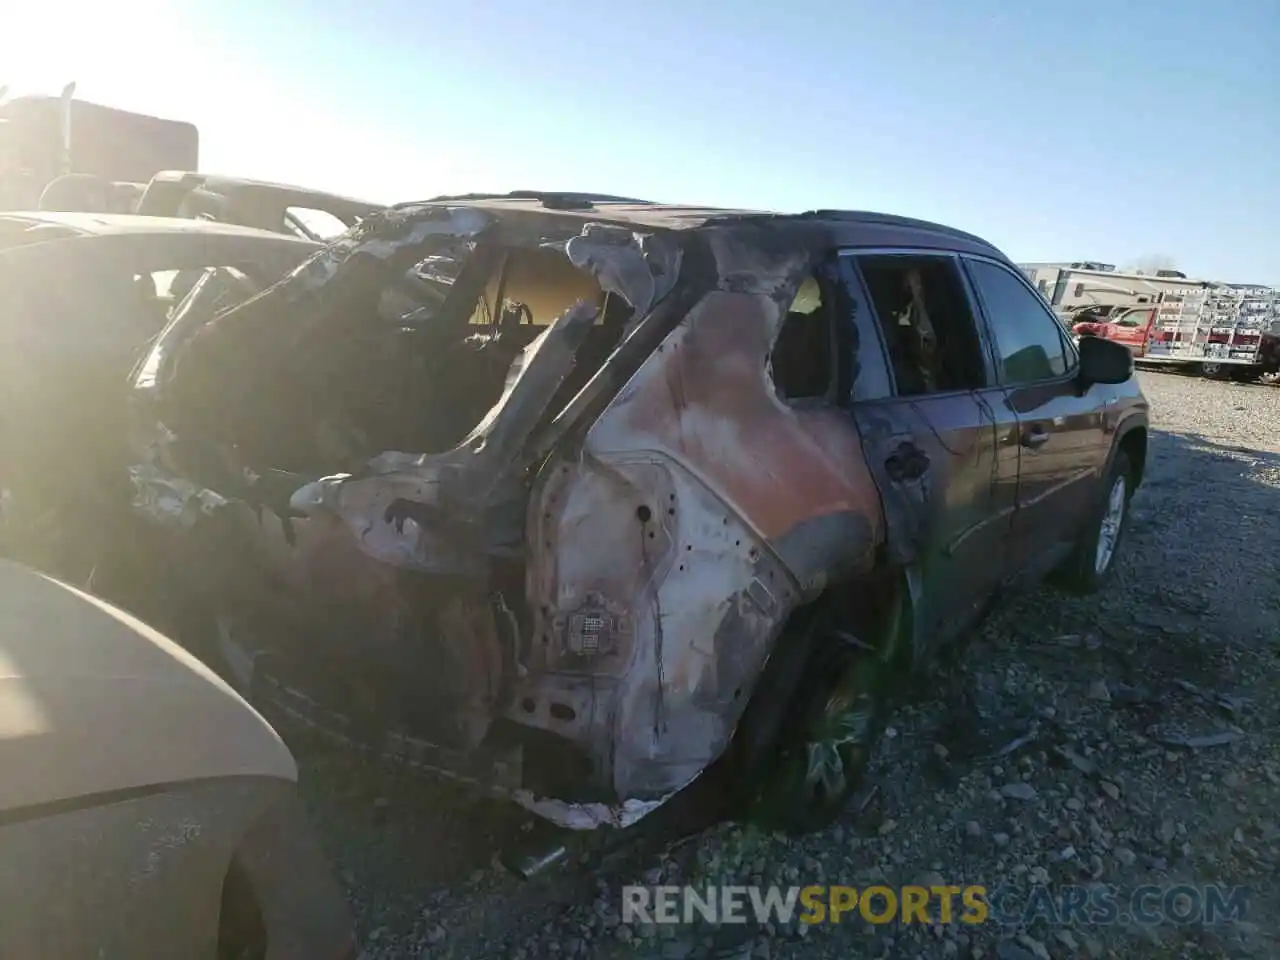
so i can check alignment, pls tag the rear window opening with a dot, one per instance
(414, 368)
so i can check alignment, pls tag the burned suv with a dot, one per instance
(583, 499)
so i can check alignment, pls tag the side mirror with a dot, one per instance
(1104, 361)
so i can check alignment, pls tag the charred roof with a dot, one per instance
(836, 228)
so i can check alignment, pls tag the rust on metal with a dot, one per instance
(676, 509)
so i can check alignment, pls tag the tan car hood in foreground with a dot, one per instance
(94, 702)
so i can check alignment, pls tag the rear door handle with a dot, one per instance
(1035, 437)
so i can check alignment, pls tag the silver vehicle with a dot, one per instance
(146, 810)
(83, 295)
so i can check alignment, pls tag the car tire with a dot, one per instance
(826, 738)
(1093, 559)
(1215, 371)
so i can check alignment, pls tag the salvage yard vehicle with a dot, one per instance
(281, 208)
(146, 810)
(1092, 313)
(581, 499)
(1221, 331)
(82, 296)
(1130, 327)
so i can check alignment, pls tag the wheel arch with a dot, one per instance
(882, 604)
(1133, 442)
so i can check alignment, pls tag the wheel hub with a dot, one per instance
(841, 732)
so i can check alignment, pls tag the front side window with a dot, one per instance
(1028, 340)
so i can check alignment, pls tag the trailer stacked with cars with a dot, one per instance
(1227, 330)
(1222, 331)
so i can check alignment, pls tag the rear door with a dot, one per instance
(931, 416)
(1060, 438)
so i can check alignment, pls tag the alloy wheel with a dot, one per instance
(828, 744)
(1112, 520)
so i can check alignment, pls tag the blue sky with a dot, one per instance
(1056, 130)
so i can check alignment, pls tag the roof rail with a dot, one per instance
(892, 219)
(551, 199)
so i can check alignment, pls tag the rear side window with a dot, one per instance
(1029, 342)
(803, 359)
(928, 327)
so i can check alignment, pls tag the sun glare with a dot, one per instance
(45, 46)
(158, 58)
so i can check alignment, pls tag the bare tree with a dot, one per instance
(1152, 263)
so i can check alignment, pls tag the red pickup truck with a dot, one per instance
(1130, 327)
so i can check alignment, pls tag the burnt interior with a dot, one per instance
(413, 363)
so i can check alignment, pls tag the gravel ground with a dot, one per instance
(1061, 748)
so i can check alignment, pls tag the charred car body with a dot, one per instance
(578, 498)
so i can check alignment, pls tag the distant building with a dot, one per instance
(1082, 283)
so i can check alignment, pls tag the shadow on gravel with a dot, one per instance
(1195, 599)
(1157, 698)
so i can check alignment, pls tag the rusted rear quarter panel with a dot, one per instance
(676, 517)
(700, 511)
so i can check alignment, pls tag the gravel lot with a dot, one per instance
(1088, 699)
